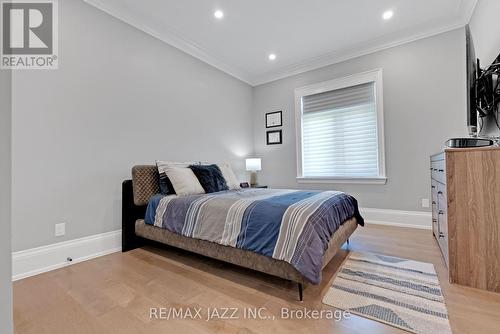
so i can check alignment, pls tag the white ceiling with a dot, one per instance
(304, 34)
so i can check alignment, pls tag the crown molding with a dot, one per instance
(350, 53)
(174, 39)
(465, 9)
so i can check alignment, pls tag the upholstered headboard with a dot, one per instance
(144, 183)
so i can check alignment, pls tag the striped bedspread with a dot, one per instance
(289, 225)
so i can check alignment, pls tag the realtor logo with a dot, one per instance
(29, 34)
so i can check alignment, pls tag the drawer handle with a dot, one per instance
(440, 192)
(441, 212)
(433, 187)
(441, 234)
(434, 220)
(433, 203)
(440, 170)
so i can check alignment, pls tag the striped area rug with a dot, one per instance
(399, 292)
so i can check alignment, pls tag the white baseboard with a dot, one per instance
(38, 260)
(413, 219)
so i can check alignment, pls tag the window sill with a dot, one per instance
(344, 180)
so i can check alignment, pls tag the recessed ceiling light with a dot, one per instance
(272, 56)
(219, 14)
(388, 15)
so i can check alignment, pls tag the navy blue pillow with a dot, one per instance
(210, 178)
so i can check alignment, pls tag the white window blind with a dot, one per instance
(339, 133)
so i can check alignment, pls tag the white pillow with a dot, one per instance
(162, 165)
(227, 172)
(182, 177)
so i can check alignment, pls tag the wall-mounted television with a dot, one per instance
(472, 74)
(483, 87)
(483, 96)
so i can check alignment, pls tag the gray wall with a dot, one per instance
(485, 28)
(5, 203)
(119, 98)
(424, 104)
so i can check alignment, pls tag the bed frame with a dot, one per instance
(136, 233)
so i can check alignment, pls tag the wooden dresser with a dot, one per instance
(466, 214)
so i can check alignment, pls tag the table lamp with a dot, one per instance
(253, 165)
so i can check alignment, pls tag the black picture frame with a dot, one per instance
(268, 133)
(271, 125)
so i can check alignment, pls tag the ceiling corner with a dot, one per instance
(467, 8)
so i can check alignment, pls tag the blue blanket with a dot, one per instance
(289, 225)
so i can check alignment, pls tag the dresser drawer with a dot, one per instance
(442, 213)
(438, 168)
(434, 205)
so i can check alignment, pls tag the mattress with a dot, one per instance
(293, 226)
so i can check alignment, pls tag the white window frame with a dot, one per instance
(374, 76)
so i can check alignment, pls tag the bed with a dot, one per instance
(260, 241)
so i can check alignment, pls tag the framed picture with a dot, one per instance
(274, 119)
(274, 137)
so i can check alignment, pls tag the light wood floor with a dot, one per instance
(114, 293)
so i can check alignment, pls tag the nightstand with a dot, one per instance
(258, 186)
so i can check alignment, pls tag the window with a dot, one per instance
(340, 134)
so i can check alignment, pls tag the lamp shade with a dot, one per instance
(253, 164)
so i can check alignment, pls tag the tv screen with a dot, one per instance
(472, 73)
(488, 91)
